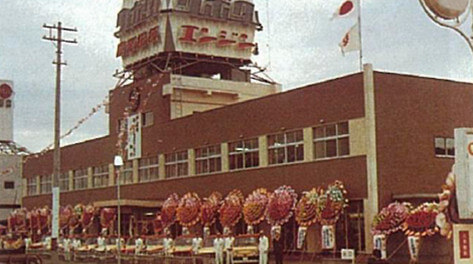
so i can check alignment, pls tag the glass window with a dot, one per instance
(80, 179)
(31, 186)
(286, 147)
(100, 176)
(331, 141)
(444, 147)
(126, 174)
(64, 181)
(8, 104)
(208, 159)
(244, 154)
(45, 184)
(9, 185)
(147, 119)
(176, 164)
(149, 169)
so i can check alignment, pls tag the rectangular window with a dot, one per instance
(31, 186)
(45, 184)
(243, 154)
(176, 164)
(208, 159)
(64, 181)
(147, 119)
(444, 147)
(149, 169)
(331, 141)
(286, 147)
(80, 179)
(100, 176)
(126, 174)
(9, 185)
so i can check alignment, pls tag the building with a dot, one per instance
(10, 154)
(387, 136)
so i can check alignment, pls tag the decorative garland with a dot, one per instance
(390, 218)
(448, 213)
(230, 211)
(254, 208)
(421, 220)
(280, 206)
(332, 203)
(188, 210)
(307, 210)
(209, 209)
(168, 212)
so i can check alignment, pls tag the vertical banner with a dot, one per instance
(328, 237)
(134, 137)
(301, 234)
(55, 213)
(379, 242)
(414, 245)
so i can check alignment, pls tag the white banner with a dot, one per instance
(55, 213)
(134, 137)
(328, 237)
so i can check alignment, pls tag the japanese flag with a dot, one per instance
(351, 40)
(347, 8)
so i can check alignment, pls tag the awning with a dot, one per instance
(130, 203)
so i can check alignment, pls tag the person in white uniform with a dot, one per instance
(229, 248)
(218, 248)
(196, 244)
(138, 245)
(263, 248)
(167, 245)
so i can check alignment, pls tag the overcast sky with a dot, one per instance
(299, 44)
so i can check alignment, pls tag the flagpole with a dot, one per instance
(359, 34)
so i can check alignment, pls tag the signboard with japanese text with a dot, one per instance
(134, 137)
(462, 243)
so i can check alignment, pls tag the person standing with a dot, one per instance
(278, 248)
(218, 248)
(263, 247)
(196, 245)
(167, 246)
(138, 245)
(229, 248)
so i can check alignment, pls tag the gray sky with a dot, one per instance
(299, 45)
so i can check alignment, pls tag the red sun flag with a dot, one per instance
(346, 8)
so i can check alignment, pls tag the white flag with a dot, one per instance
(351, 40)
(347, 8)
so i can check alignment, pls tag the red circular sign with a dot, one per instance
(5, 91)
(346, 8)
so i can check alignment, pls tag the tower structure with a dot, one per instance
(206, 46)
(6, 110)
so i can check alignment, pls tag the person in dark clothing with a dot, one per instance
(278, 248)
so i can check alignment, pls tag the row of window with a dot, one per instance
(286, 147)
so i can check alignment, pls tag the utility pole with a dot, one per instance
(58, 40)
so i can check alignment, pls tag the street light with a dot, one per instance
(118, 163)
(451, 14)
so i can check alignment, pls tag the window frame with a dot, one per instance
(446, 149)
(100, 176)
(174, 163)
(148, 171)
(285, 145)
(246, 151)
(337, 137)
(7, 186)
(126, 173)
(210, 159)
(31, 186)
(45, 184)
(64, 177)
(80, 181)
